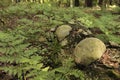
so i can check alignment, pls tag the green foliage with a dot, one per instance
(23, 55)
(116, 10)
(24, 59)
(5, 3)
(18, 57)
(109, 25)
(43, 15)
(85, 21)
(66, 72)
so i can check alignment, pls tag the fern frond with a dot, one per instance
(77, 73)
(7, 59)
(12, 70)
(37, 75)
(30, 52)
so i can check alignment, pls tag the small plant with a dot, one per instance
(109, 25)
(18, 57)
(22, 59)
(85, 21)
(66, 71)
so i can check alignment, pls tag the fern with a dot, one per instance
(17, 57)
(114, 38)
(66, 72)
(85, 21)
(24, 56)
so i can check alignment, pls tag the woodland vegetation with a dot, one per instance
(30, 50)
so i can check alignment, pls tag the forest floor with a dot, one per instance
(103, 25)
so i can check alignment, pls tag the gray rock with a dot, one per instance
(63, 31)
(89, 50)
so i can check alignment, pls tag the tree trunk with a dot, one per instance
(110, 2)
(77, 3)
(102, 4)
(71, 3)
(17, 1)
(41, 1)
(88, 3)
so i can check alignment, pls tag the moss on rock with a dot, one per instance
(63, 31)
(89, 50)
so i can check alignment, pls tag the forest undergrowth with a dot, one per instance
(29, 49)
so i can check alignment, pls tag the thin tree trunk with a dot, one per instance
(77, 3)
(71, 3)
(41, 1)
(102, 4)
(88, 3)
(12, 1)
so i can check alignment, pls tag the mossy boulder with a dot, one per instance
(89, 50)
(63, 31)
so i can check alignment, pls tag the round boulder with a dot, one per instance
(63, 31)
(88, 50)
